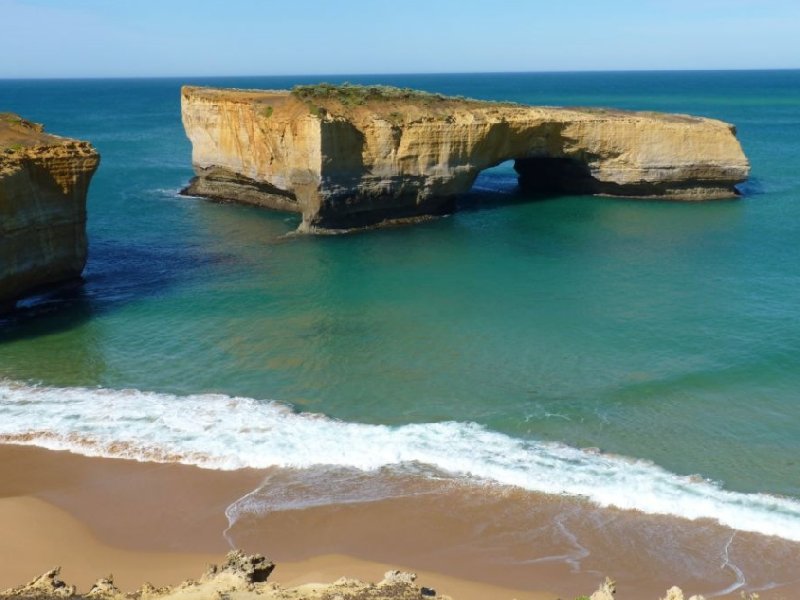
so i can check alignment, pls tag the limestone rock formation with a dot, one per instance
(606, 591)
(241, 577)
(43, 184)
(47, 586)
(675, 593)
(244, 577)
(350, 156)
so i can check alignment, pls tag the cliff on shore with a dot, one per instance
(43, 184)
(352, 156)
(244, 577)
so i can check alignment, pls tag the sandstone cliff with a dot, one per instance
(43, 184)
(349, 156)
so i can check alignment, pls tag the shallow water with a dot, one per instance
(660, 332)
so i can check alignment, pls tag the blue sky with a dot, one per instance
(97, 38)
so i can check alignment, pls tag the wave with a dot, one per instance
(216, 431)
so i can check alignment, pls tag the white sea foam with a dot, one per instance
(741, 580)
(221, 432)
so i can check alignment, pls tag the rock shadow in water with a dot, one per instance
(117, 273)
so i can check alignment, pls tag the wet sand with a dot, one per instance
(154, 523)
(164, 522)
(38, 533)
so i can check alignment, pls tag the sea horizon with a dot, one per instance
(404, 73)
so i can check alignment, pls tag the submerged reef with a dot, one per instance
(354, 156)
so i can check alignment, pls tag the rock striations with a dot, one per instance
(351, 156)
(43, 184)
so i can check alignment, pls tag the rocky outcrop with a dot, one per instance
(350, 156)
(43, 184)
(244, 577)
(608, 590)
(241, 577)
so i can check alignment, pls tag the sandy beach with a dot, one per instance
(399, 301)
(163, 523)
(37, 533)
(164, 536)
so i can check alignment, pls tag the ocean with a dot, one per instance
(634, 354)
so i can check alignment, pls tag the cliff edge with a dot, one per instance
(43, 184)
(352, 156)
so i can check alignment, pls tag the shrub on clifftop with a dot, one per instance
(350, 94)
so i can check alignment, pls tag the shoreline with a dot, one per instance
(151, 427)
(40, 488)
(468, 541)
(38, 533)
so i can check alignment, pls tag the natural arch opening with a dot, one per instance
(538, 176)
(548, 175)
(498, 179)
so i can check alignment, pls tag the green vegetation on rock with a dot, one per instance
(350, 94)
(10, 118)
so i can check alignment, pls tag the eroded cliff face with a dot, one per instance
(344, 165)
(43, 184)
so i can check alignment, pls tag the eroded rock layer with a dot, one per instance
(43, 184)
(343, 160)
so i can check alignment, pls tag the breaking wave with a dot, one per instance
(216, 431)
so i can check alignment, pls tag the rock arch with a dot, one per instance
(345, 165)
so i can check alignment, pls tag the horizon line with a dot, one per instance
(405, 73)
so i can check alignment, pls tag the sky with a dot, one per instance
(141, 38)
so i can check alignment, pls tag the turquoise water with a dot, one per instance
(657, 331)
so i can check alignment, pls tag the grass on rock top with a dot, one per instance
(350, 94)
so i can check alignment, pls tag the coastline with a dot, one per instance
(67, 509)
(60, 509)
(37, 533)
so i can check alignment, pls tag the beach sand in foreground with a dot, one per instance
(39, 535)
(164, 522)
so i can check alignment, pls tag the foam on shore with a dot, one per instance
(215, 431)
